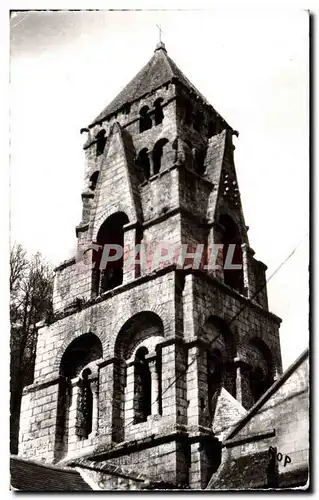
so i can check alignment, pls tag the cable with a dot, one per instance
(231, 321)
(227, 323)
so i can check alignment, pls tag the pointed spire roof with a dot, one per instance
(159, 70)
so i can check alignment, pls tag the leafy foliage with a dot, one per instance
(31, 287)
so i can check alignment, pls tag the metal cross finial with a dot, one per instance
(160, 32)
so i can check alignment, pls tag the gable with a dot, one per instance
(220, 170)
(227, 413)
(116, 189)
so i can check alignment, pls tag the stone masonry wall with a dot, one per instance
(158, 462)
(251, 322)
(287, 412)
(104, 319)
(130, 122)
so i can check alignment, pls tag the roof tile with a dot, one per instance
(159, 70)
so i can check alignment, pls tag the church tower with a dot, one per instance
(147, 362)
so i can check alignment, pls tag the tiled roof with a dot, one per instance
(32, 476)
(158, 71)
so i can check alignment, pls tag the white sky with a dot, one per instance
(252, 66)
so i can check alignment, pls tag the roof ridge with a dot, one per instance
(189, 83)
(156, 73)
(166, 58)
(109, 467)
(148, 66)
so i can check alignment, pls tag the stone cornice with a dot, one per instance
(116, 291)
(201, 221)
(166, 270)
(65, 263)
(81, 228)
(233, 293)
(42, 385)
(107, 118)
(112, 451)
(247, 439)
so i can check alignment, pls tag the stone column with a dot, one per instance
(243, 391)
(214, 253)
(129, 258)
(155, 384)
(105, 400)
(248, 254)
(150, 157)
(198, 467)
(73, 415)
(129, 395)
(197, 385)
(169, 381)
(118, 400)
(95, 409)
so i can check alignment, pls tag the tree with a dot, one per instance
(31, 287)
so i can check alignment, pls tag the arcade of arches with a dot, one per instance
(139, 378)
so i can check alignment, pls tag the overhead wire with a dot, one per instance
(259, 290)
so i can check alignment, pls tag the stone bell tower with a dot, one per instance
(145, 363)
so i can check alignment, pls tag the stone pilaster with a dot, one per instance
(197, 393)
(155, 385)
(73, 415)
(129, 395)
(243, 391)
(130, 241)
(105, 400)
(247, 254)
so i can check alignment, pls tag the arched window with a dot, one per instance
(231, 242)
(211, 128)
(188, 155)
(261, 371)
(127, 108)
(138, 243)
(215, 373)
(93, 180)
(145, 119)
(200, 161)
(82, 351)
(108, 275)
(139, 379)
(143, 162)
(85, 406)
(258, 383)
(221, 353)
(158, 154)
(75, 397)
(100, 142)
(158, 115)
(198, 120)
(188, 114)
(142, 387)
